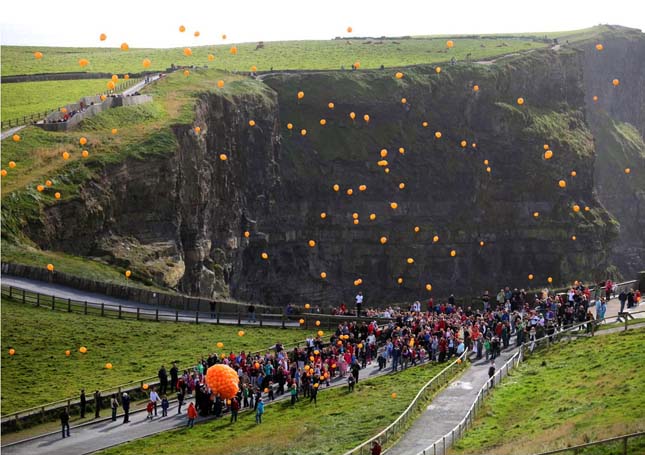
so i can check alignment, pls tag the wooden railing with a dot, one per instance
(619, 445)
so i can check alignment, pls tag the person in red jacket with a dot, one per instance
(192, 414)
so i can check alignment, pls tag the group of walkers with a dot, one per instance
(413, 335)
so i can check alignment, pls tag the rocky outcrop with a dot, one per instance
(180, 217)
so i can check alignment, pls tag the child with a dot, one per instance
(180, 400)
(164, 406)
(259, 411)
(350, 382)
(150, 407)
(192, 414)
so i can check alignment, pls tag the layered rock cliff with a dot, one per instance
(180, 218)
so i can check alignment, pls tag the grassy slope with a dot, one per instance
(339, 422)
(135, 348)
(29, 97)
(331, 54)
(587, 391)
(143, 131)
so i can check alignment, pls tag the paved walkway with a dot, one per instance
(94, 436)
(128, 306)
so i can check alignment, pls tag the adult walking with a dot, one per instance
(83, 403)
(154, 399)
(491, 374)
(64, 422)
(125, 402)
(114, 405)
(163, 380)
(97, 404)
(174, 377)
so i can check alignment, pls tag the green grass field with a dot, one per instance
(585, 391)
(340, 421)
(280, 55)
(40, 372)
(26, 98)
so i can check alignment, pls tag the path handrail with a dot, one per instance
(575, 449)
(391, 429)
(450, 438)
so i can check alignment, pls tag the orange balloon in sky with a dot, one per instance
(102, 36)
(196, 34)
(182, 29)
(450, 44)
(349, 29)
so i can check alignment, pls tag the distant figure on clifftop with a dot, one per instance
(359, 303)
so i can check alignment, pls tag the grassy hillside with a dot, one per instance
(135, 348)
(340, 421)
(331, 54)
(576, 393)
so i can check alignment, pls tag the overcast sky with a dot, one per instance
(155, 23)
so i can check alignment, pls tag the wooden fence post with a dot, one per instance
(53, 303)
(23, 296)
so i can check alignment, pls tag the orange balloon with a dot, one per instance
(416, 229)
(38, 55)
(573, 173)
(220, 83)
(196, 34)
(188, 51)
(115, 78)
(536, 214)
(114, 131)
(82, 141)
(437, 69)
(435, 239)
(349, 29)
(83, 62)
(323, 122)
(289, 126)
(254, 68)
(616, 82)
(211, 57)
(223, 157)
(110, 85)
(108, 366)
(352, 115)
(240, 333)
(65, 155)
(124, 46)
(146, 63)
(15, 138)
(68, 353)
(576, 208)
(233, 50)
(450, 44)
(301, 321)
(548, 155)
(50, 267)
(453, 253)
(428, 287)
(264, 256)
(399, 75)
(475, 88)
(383, 240)
(307, 306)
(394, 205)
(40, 188)
(303, 132)
(399, 280)
(437, 134)
(627, 170)
(404, 100)
(251, 123)
(562, 184)
(463, 144)
(599, 47)
(102, 36)
(48, 183)
(330, 105)
(317, 323)
(222, 380)
(323, 275)
(401, 150)
(372, 216)
(530, 277)
(350, 192)
(323, 215)
(57, 195)
(301, 95)
(362, 187)
(366, 117)
(424, 124)
(410, 260)
(336, 187)
(312, 243)
(82, 350)
(520, 101)
(12, 164)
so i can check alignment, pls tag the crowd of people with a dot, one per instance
(430, 332)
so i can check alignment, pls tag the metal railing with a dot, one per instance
(440, 446)
(620, 443)
(394, 429)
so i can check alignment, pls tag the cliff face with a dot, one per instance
(617, 121)
(180, 218)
